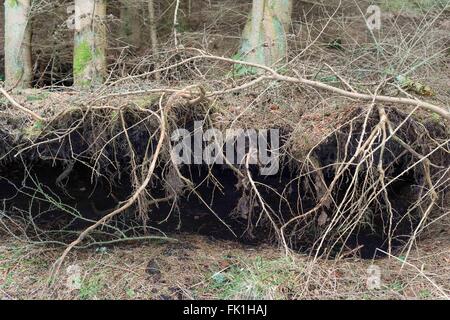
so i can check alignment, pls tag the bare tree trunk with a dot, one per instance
(153, 33)
(89, 58)
(175, 22)
(264, 36)
(283, 11)
(131, 22)
(18, 65)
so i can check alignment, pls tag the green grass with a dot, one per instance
(130, 293)
(37, 96)
(91, 287)
(254, 279)
(34, 131)
(397, 286)
(9, 281)
(10, 257)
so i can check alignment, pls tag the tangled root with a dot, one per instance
(374, 184)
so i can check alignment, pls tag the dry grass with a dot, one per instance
(196, 267)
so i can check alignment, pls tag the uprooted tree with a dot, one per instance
(343, 183)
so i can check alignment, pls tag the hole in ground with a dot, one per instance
(226, 211)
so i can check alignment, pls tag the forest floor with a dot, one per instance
(198, 267)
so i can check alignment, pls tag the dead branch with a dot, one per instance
(34, 115)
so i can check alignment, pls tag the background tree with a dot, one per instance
(130, 16)
(264, 36)
(153, 32)
(18, 65)
(89, 58)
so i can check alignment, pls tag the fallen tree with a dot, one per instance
(370, 176)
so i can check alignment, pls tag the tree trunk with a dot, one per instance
(283, 10)
(264, 37)
(18, 65)
(153, 34)
(89, 58)
(131, 22)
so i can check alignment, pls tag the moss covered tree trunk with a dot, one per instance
(264, 36)
(89, 57)
(131, 22)
(18, 66)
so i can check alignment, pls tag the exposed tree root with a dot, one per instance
(378, 178)
(129, 202)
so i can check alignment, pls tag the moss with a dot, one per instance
(37, 96)
(82, 57)
(84, 83)
(145, 101)
(253, 45)
(13, 3)
(33, 131)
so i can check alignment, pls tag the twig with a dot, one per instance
(418, 270)
(275, 76)
(34, 115)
